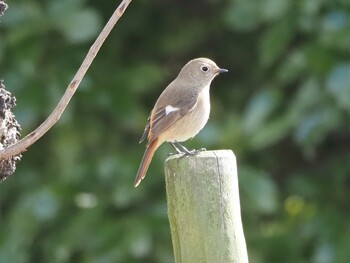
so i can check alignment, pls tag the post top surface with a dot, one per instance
(205, 154)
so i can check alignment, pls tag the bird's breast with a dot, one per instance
(192, 122)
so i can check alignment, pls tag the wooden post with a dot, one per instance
(204, 208)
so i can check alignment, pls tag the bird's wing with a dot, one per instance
(164, 116)
(146, 131)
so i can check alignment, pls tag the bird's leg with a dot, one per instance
(188, 152)
(185, 150)
(178, 151)
(177, 146)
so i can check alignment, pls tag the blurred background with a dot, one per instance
(283, 108)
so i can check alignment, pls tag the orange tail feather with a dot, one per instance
(146, 160)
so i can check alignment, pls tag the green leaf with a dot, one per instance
(260, 189)
(312, 129)
(258, 110)
(81, 26)
(275, 41)
(293, 67)
(338, 85)
(273, 9)
(272, 132)
(242, 15)
(76, 22)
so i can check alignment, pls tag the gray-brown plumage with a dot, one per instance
(181, 111)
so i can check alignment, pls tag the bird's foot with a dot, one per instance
(178, 151)
(172, 154)
(184, 151)
(192, 152)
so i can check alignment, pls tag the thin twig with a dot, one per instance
(32, 137)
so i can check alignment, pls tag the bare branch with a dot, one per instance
(32, 137)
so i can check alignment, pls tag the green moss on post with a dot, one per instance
(204, 208)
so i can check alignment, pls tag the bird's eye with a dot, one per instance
(204, 68)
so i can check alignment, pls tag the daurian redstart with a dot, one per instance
(181, 111)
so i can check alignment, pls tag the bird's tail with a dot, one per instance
(146, 160)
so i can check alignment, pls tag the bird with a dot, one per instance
(180, 112)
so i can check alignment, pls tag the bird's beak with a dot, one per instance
(222, 70)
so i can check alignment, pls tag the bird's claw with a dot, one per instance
(192, 152)
(185, 152)
(172, 154)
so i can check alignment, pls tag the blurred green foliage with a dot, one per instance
(284, 109)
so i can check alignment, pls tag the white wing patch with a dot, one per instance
(169, 109)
